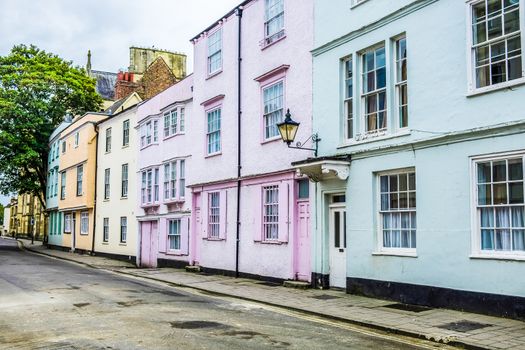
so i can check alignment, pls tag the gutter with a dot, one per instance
(238, 13)
(95, 128)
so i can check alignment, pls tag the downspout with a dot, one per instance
(95, 127)
(239, 164)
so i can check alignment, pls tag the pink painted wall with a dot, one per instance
(154, 155)
(276, 260)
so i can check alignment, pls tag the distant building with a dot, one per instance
(27, 217)
(105, 86)
(151, 71)
(7, 219)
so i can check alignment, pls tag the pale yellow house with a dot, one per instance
(78, 163)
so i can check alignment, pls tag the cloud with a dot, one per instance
(107, 27)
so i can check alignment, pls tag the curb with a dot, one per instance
(456, 343)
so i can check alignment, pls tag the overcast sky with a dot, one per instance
(108, 28)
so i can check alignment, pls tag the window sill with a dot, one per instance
(214, 74)
(123, 198)
(211, 239)
(513, 257)
(150, 145)
(357, 3)
(84, 234)
(105, 243)
(370, 139)
(122, 244)
(271, 242)
(125, 146)
(502, 86)
(265, 46)
(107, 152)
(402, 254)
(273, 139)
(175, 253)
(106, 199)
(211, 155)
(67, 233)
(149, 205)
(173, 135)
(174, 201)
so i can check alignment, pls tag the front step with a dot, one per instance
(193, 268)
(296, 284)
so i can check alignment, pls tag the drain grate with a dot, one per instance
(407, 307)
(463, 326)
(197, 324)
(325, 297)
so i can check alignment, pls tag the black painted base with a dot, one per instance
(320, 281)
(178, 264)
(58, 247)
(242, 275)
(483, 303)
(129, 258)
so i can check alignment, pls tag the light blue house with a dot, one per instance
(55, 219)
(419, 187)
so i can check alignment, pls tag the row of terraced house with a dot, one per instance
(404, 181)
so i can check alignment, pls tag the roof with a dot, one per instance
(115, 106)
(232, 11)
(59, 129)
(105, 83)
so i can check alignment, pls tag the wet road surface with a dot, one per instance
(52, 304)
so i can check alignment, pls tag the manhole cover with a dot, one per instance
(407, 307)
(197, 324)
(324, 297)
(463, 326)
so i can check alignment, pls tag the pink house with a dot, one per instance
(164, 155)
(250, 210)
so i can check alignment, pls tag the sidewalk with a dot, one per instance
(468, 330)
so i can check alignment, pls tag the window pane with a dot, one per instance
(412, 181)
(503, 240)
(512, 22)
(403, 200)
(480, 32)
(393, 183)
(518, 240)
(500, 193)
(487, 217)
(516, 193)
(381, 78)
(502, 217)
(384, 183)
(518, 217)
(484, 172)
(403, 182)
(487, 239)
(493, 7)
(514, 68)
(482, 55)
(499, 170)
(483, 76)
(478, 12)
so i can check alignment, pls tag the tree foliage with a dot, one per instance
(37, 89)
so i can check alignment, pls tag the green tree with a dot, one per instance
(1, 214)
(37, 89)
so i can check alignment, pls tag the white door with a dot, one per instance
(337, 243)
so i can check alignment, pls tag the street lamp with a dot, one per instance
(288, 130)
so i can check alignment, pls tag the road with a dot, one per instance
(47, 303)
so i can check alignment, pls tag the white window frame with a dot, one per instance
(274, 36)
(216, 131)
(80, 180)
(67, 223)
(363, 95)
(270, 223)
(398, 83)
(63, 185)
(348, 98)
(125, 133)
(182, 178)
(149, 186)
(214, 215)
(123, 229)
(124, 181)
(108, 140)
(471, 66)
(77, 139)
(476, 251)
(107, 181)
(105, 230)
(84, 223)
(174, 232)
(149, 133)
(399, 251)
(270, 114)
(213, 52)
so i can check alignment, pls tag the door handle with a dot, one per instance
(341, 250)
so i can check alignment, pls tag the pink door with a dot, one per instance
(302, 245)
(149, 244)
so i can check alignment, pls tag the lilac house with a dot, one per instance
(164, 204)
(250, 209)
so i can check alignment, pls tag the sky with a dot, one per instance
(107, 27)
(69, 28)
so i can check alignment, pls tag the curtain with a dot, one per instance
(518, 221)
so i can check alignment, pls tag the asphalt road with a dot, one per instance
(47, 303)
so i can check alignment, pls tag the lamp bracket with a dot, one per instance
(300, 145)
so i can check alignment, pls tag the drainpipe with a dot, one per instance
(95, 128)
(239, 164)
